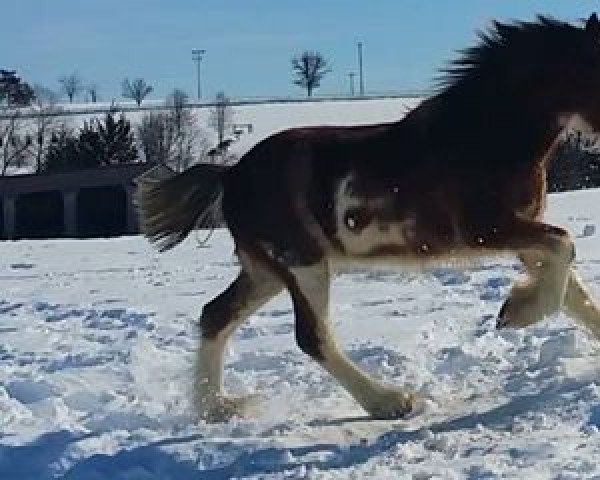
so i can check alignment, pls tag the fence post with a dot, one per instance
(9, 213)
(131, 210)
(70, 213)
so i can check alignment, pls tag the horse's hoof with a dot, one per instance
(391, 403)
(527, 305)
(222, 408)
(502, 320)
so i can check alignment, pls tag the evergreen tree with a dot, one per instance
(117, 140)
(90, 150)
(110, 142)
(62, 153)
(13, 90)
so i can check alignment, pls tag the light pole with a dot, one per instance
(361, 81)
(351, 75)
(197, 57)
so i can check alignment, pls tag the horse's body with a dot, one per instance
(461, 176)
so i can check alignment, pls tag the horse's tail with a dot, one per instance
(170, 205)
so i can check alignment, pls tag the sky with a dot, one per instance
(249, 43)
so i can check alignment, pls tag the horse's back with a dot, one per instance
(290, 179)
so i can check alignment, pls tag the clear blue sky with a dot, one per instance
(249, 43)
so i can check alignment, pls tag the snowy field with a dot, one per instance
(270, 118)
(97, 340)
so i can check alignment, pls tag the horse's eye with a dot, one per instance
(357, 218)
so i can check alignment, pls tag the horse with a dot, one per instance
(461, 176)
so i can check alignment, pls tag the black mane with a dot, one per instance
(519, 41)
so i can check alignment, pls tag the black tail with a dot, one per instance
(170, 205)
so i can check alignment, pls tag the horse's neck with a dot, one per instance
(510, 125)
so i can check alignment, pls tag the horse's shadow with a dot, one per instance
(42, 458)
(35, 460)
(334, 456)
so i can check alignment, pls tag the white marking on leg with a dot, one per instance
(580, 305)
(209, 395)
(544, 292)
(210, 358)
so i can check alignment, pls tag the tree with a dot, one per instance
(43, 125)
(116, 140)
(156, 137)
(13, 143)
(221, 116)
(136, 90)
(13, 90)
(99, 143)
(92, 91)
(24, 141)
(71, 85)
(309, 68)
(45, 95)
(185, 129)
(173, 137)
(177, 100)
(62, 153)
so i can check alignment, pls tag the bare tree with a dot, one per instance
(24, 142)
(43, 127)
(44, 95)
(71, 85)
(136, 90)
(186, 131)
(173, 137)
(13, 143)
(221, 116)
(92, 91)
(309, 68)
(177, 100)
(156, 138)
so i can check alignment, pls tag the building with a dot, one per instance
(78, 204)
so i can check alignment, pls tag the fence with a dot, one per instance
(90, 109)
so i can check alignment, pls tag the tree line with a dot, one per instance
(308, 68)
(14, 92)
(47, 143)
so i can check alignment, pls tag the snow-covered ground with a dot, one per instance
(97, 340)
(267, 119)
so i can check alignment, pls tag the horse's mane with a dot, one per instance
(517, 41)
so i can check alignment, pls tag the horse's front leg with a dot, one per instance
(547, 253)
(580, 305)
(309, 289)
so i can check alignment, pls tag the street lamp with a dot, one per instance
(351, 75)
(360, 70)
(197, 57)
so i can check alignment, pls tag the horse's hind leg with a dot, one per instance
(309, 289)
(547, 253)
(253, 287)
(580, 305)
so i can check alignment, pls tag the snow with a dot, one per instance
(267, 119)
(98, 336)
